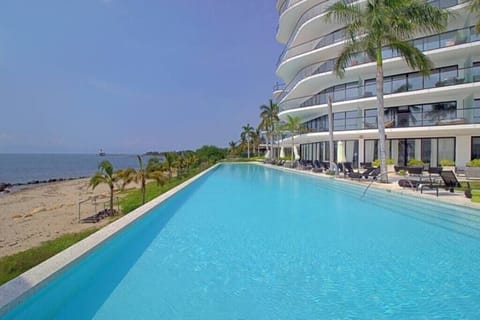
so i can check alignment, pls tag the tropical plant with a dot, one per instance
(473, 163)
(378, 24)
(141, 175)
(232, 147)
(105, 174)
(294, 126)
(475, 8)
(169, 163)
(447, 163)
(246, 136)
(415, 163)
(269, 117)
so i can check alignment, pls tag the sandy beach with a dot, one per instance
(31, 216)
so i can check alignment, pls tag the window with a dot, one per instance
(475, 148)
(431, 81)
(352, 91)
(415, 81)
(370, 88)
(399, 83)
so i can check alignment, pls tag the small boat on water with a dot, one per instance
(101, 153)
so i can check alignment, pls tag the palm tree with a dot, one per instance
(170, 158)
(105, 175)
(246, 135)
(269, 116)
(381, 23)
(293, 125)
(141, 175)
(475, 8)
(232, 145)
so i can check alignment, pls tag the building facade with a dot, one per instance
(430, 118)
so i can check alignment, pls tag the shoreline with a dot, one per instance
(10, 187)
(41, 212)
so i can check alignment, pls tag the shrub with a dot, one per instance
(415, 163)
(376, 162)
(402, 173)
(447, 163)
(473, 163)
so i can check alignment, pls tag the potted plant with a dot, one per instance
(390, 164)
(415, 163)
(473, 169)
(447, 165)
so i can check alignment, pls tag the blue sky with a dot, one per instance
(132, 75)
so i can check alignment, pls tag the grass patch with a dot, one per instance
(15, 264)
(474, 185)
(132, 199)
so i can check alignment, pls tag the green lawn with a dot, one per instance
(15, 264)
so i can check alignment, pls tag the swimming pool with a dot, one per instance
(249, 242)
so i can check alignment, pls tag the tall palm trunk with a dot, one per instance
(248, 149)
(144, 189)
(111, 198)
(330, 133)
(381, 117)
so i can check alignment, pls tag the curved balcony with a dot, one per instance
(317, 43)
(396, 84)
(425, 44)
(413, 116)
(333, 37)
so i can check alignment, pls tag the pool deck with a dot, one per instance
(455, 198)
(17, 289)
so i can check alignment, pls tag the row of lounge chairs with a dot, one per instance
(448, 181)
(98, 216)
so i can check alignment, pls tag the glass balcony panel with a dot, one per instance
(447, 39)
(415, 81)
(352, 91)
(432, 80)
(387, 85)
(399, 84)
(431, 43)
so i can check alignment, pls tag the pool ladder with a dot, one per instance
(368, 187)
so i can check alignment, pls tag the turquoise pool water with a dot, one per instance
(247, 242)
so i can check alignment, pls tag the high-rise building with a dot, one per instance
(430, 118)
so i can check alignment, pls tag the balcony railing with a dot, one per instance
(278, 86)
(414, 81)
(442, 40)
(405, 120)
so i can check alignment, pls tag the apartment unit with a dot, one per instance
(429, 118)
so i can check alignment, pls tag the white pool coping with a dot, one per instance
(17, 289)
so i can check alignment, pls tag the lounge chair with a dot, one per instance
(359, 175)
(317, 167)
(450, 182)
(408, 183)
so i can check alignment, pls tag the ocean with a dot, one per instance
(24, 168)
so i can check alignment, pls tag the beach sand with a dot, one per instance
(31, 216)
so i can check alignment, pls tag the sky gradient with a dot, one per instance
(131, 76)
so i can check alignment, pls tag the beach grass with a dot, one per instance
(132, 199)
(15, 264)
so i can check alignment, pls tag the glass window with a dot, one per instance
(446, 149)
(387, 85)
(415, 81)
(339, 93)
(418, 43)
(476, 71)
(415, 116)
(387, 52)
(399, 83)
(339, 121)
(352, 91)
(448, 75)
(475, 148)
(370, 88)
(432, 80)
(476, 111)
(370, 121)
(426, 152)
(473, 35)
(447, 39)
(431, 43)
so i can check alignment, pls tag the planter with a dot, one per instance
(390, 168)
(472, 172)
(448, 168)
